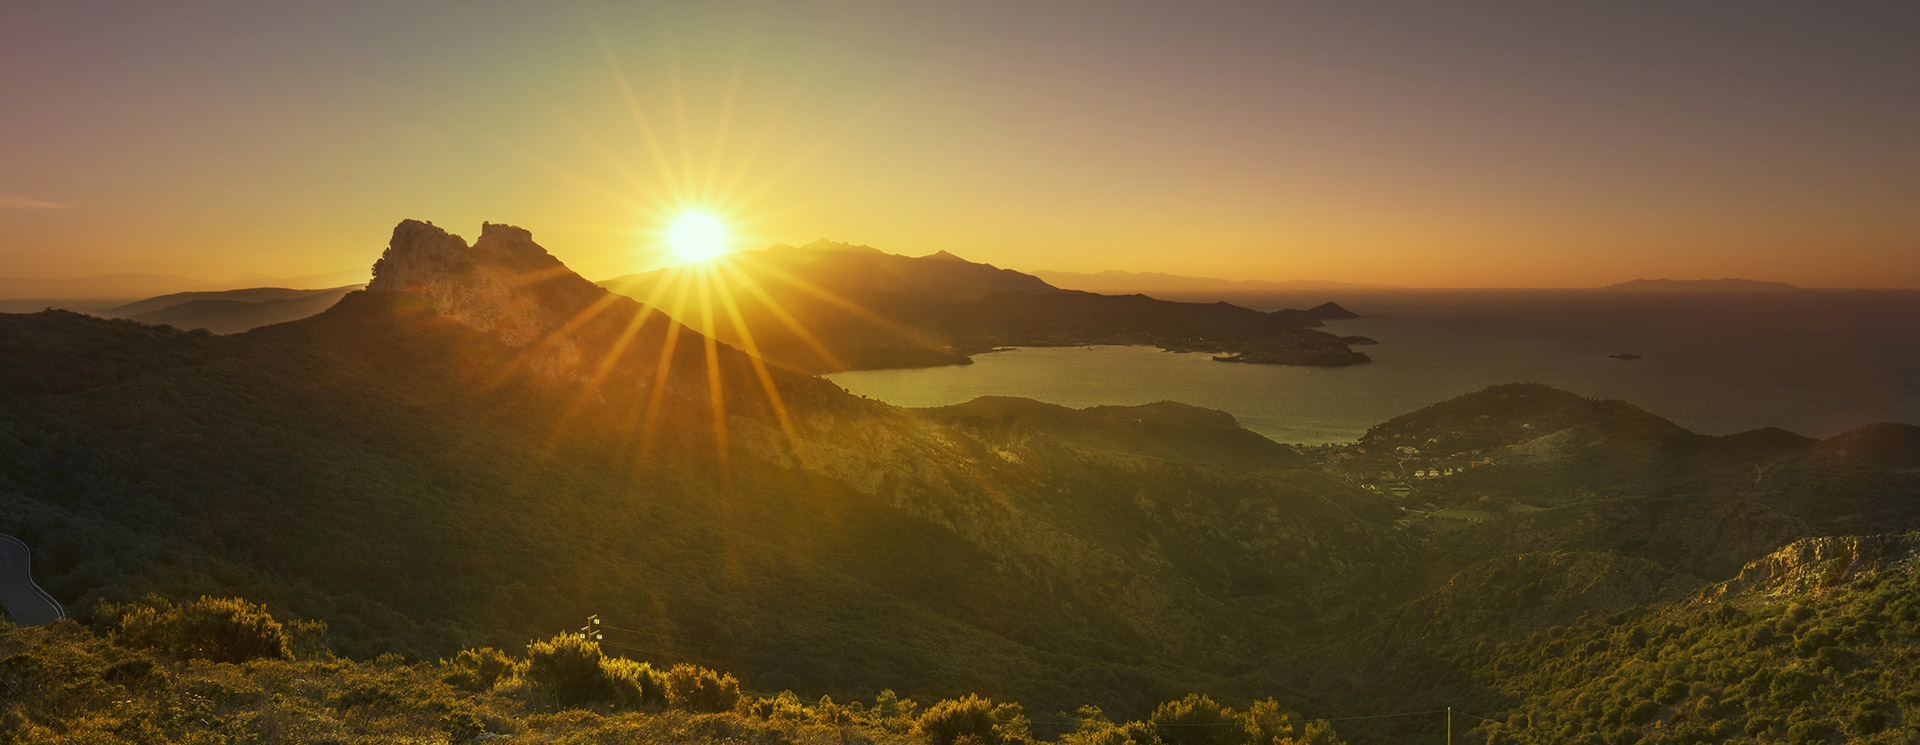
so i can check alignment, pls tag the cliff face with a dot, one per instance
(504, 285)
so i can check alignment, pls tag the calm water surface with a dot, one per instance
(1816, 362)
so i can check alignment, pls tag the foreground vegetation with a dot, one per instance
(220, 670)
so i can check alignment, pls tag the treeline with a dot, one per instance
(218, 670)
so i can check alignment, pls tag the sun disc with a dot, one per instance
(697, 236)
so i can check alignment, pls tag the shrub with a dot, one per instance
(782, 707)
(1811, 731)
(633, 684)
(699, 689)
(830, 714)
(479, 669)
(889, 706)
(1267, 724)
(216, 629)
(948, 721)
(1789, 687)
(375, 695)
(1867, 720)
(567, 668)
(461, 726)
(135, 673)
(1197, 720)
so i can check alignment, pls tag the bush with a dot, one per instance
(478, 669)
(948, 721)
(1197, 720)
(567, 668)
(699, 689)
(888, 706)
(1867, 720)
(216, 629)
(461, 726)
(633, 684)
(1267, 724)
(782, 707)
(1811, 731)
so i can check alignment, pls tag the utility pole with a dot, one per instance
(1449, 725)
(591, 631)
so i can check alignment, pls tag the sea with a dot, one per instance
(1815, 362)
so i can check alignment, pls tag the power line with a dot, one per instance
(611, 627)
(592, 632)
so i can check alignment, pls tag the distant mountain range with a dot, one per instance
(230, 311)
(1115, 282)
(126, 286)
(827, 307)
(1717, 285)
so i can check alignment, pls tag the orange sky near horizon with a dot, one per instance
(1503, 145)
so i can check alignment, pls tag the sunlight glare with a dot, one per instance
(696, 236)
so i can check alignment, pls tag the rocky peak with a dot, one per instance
(504, 284)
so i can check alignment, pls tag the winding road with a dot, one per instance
(25, 601)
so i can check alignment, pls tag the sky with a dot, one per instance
(1472, 144)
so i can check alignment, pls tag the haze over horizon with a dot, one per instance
(1401, 143)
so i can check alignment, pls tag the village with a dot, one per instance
(1429, 488)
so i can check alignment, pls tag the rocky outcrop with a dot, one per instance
(504, 285)
(1812, 565)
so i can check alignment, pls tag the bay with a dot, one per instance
(1817, 362)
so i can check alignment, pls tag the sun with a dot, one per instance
(696, 236)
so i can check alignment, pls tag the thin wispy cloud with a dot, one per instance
(25, 203)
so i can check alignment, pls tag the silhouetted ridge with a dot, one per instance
(1716, 285)
(1331, 311)
(862, 308)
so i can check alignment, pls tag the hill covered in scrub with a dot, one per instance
(483, 448)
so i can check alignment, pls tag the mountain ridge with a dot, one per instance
(829, 307)
(1118, 282)
(1715, 285)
